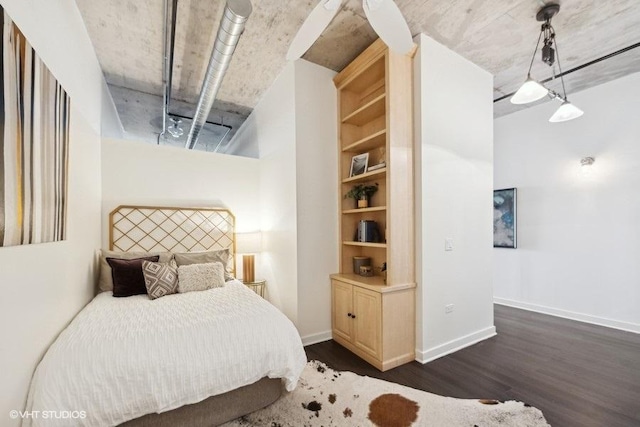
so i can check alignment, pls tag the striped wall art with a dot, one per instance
(34, 144)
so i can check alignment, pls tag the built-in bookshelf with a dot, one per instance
(375, 119)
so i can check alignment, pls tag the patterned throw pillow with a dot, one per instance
(160, 278)
(200, 277)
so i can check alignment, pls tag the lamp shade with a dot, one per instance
(530, 91)
(249, 243)
(567, 111)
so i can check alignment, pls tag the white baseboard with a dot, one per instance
(316, 338)
(586, 318)
(455, 345)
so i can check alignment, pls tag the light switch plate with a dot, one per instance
(448, 244)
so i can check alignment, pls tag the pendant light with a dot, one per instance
(566, 112)
(531, 90)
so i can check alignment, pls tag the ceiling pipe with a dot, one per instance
(236, 13)
(169, 38)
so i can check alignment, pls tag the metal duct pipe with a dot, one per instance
(236, 13)
(169, 38)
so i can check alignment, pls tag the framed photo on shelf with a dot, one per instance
(359, 164)
(504, 218)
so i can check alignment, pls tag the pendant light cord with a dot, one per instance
(555, 43)
(534, 54)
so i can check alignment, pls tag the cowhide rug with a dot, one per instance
(325, 397)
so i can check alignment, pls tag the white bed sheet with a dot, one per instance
(122, 358)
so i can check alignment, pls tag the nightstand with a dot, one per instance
(257, 286)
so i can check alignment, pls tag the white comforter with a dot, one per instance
(122, 358)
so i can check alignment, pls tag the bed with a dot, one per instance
(198, 358)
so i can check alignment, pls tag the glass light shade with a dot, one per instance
(567, 111)
(249, 243)
(530, 91)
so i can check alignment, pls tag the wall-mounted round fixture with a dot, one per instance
(586, 168)
(587, 161)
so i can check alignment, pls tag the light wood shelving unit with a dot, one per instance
(365, 244)
(364, 210)
(368, 176)
(374, 317)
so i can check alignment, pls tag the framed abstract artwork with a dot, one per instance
(505, 218)
(359, 164)
(34, 144)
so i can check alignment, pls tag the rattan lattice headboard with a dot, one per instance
(168, 229)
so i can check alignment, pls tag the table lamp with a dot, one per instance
(248, 244)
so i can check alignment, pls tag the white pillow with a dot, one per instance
(200, 277)
(223, 256)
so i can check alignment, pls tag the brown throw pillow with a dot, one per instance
(160, 278)
(105, 283)
(128, 278)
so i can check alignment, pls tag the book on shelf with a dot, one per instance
(376, 167)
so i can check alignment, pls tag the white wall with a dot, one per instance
(294, 127)
(317, 196)
(137, 173)
(111, 124)
(578, 236)
(454, 151)
(45, 285)
(245, 141)
(272, 126)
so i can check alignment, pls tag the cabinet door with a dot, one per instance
(367, 309)
(341, 308)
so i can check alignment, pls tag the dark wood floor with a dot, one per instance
(578, 374)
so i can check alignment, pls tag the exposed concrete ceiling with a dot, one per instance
(497, 35)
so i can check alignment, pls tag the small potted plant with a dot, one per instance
(361, 194)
